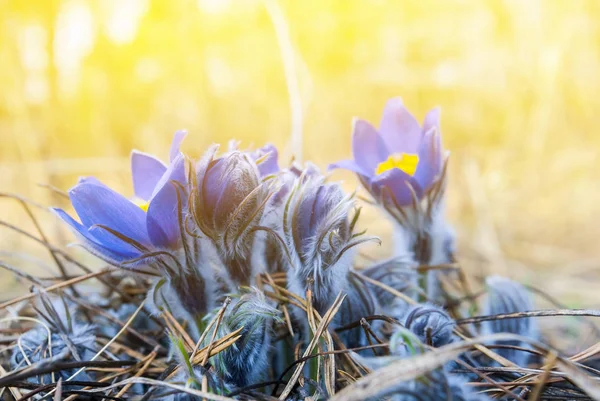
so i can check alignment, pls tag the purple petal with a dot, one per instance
(432, 120)
(176, 144)
(318, 200)
(398, 185)
(287, 180)
(269, 165)
(307, 215)
(175, 172)
(146, 171)
(399, 128)
(224, 186)
(227, 182)
(213, 187)
(89, 180)
(99, 205)
(309, 170)
(368, 147)
(116, 251)
(207, 158)
(430, 159)
(162, 218)
(349, 165)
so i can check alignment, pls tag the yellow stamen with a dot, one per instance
(402, 161)
(142, 205)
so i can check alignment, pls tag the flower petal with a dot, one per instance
(117, 251)
(432, 120)
(176, 144)
(268, 156)
(89, 180)
(162, 220)
(227, 183)
(430, 159)
(99, 205)
(368, 147)
(175, 172)
(399, 128)
(348, 165)
(146, 171)
(398, 184)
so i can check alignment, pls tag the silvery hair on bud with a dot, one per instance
(188, 375)
(426, 239)
(268, 248)
(442, 250)
(507, 296)
(318, 235)
(245, 362)
(187, 296)
(271, 249)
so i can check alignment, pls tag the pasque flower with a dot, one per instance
(315, 239)
(245, 362)
(399, 159)
(121, 230)
(402, 166)
(266, 159)
(149, 230)
(274, 257)
(229, 197)
(241, 364)
(319, 237)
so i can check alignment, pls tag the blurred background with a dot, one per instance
(84, 82)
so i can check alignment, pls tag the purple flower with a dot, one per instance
(120, 230)
(149, 230)
(246, 361)
(319, 233)
(228, 192)
(400, 158)
(229, 199)
(266, 159)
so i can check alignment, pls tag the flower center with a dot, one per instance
(144, 206)
(141, 204)
(402, 161)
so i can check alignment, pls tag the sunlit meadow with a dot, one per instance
(83, 82)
